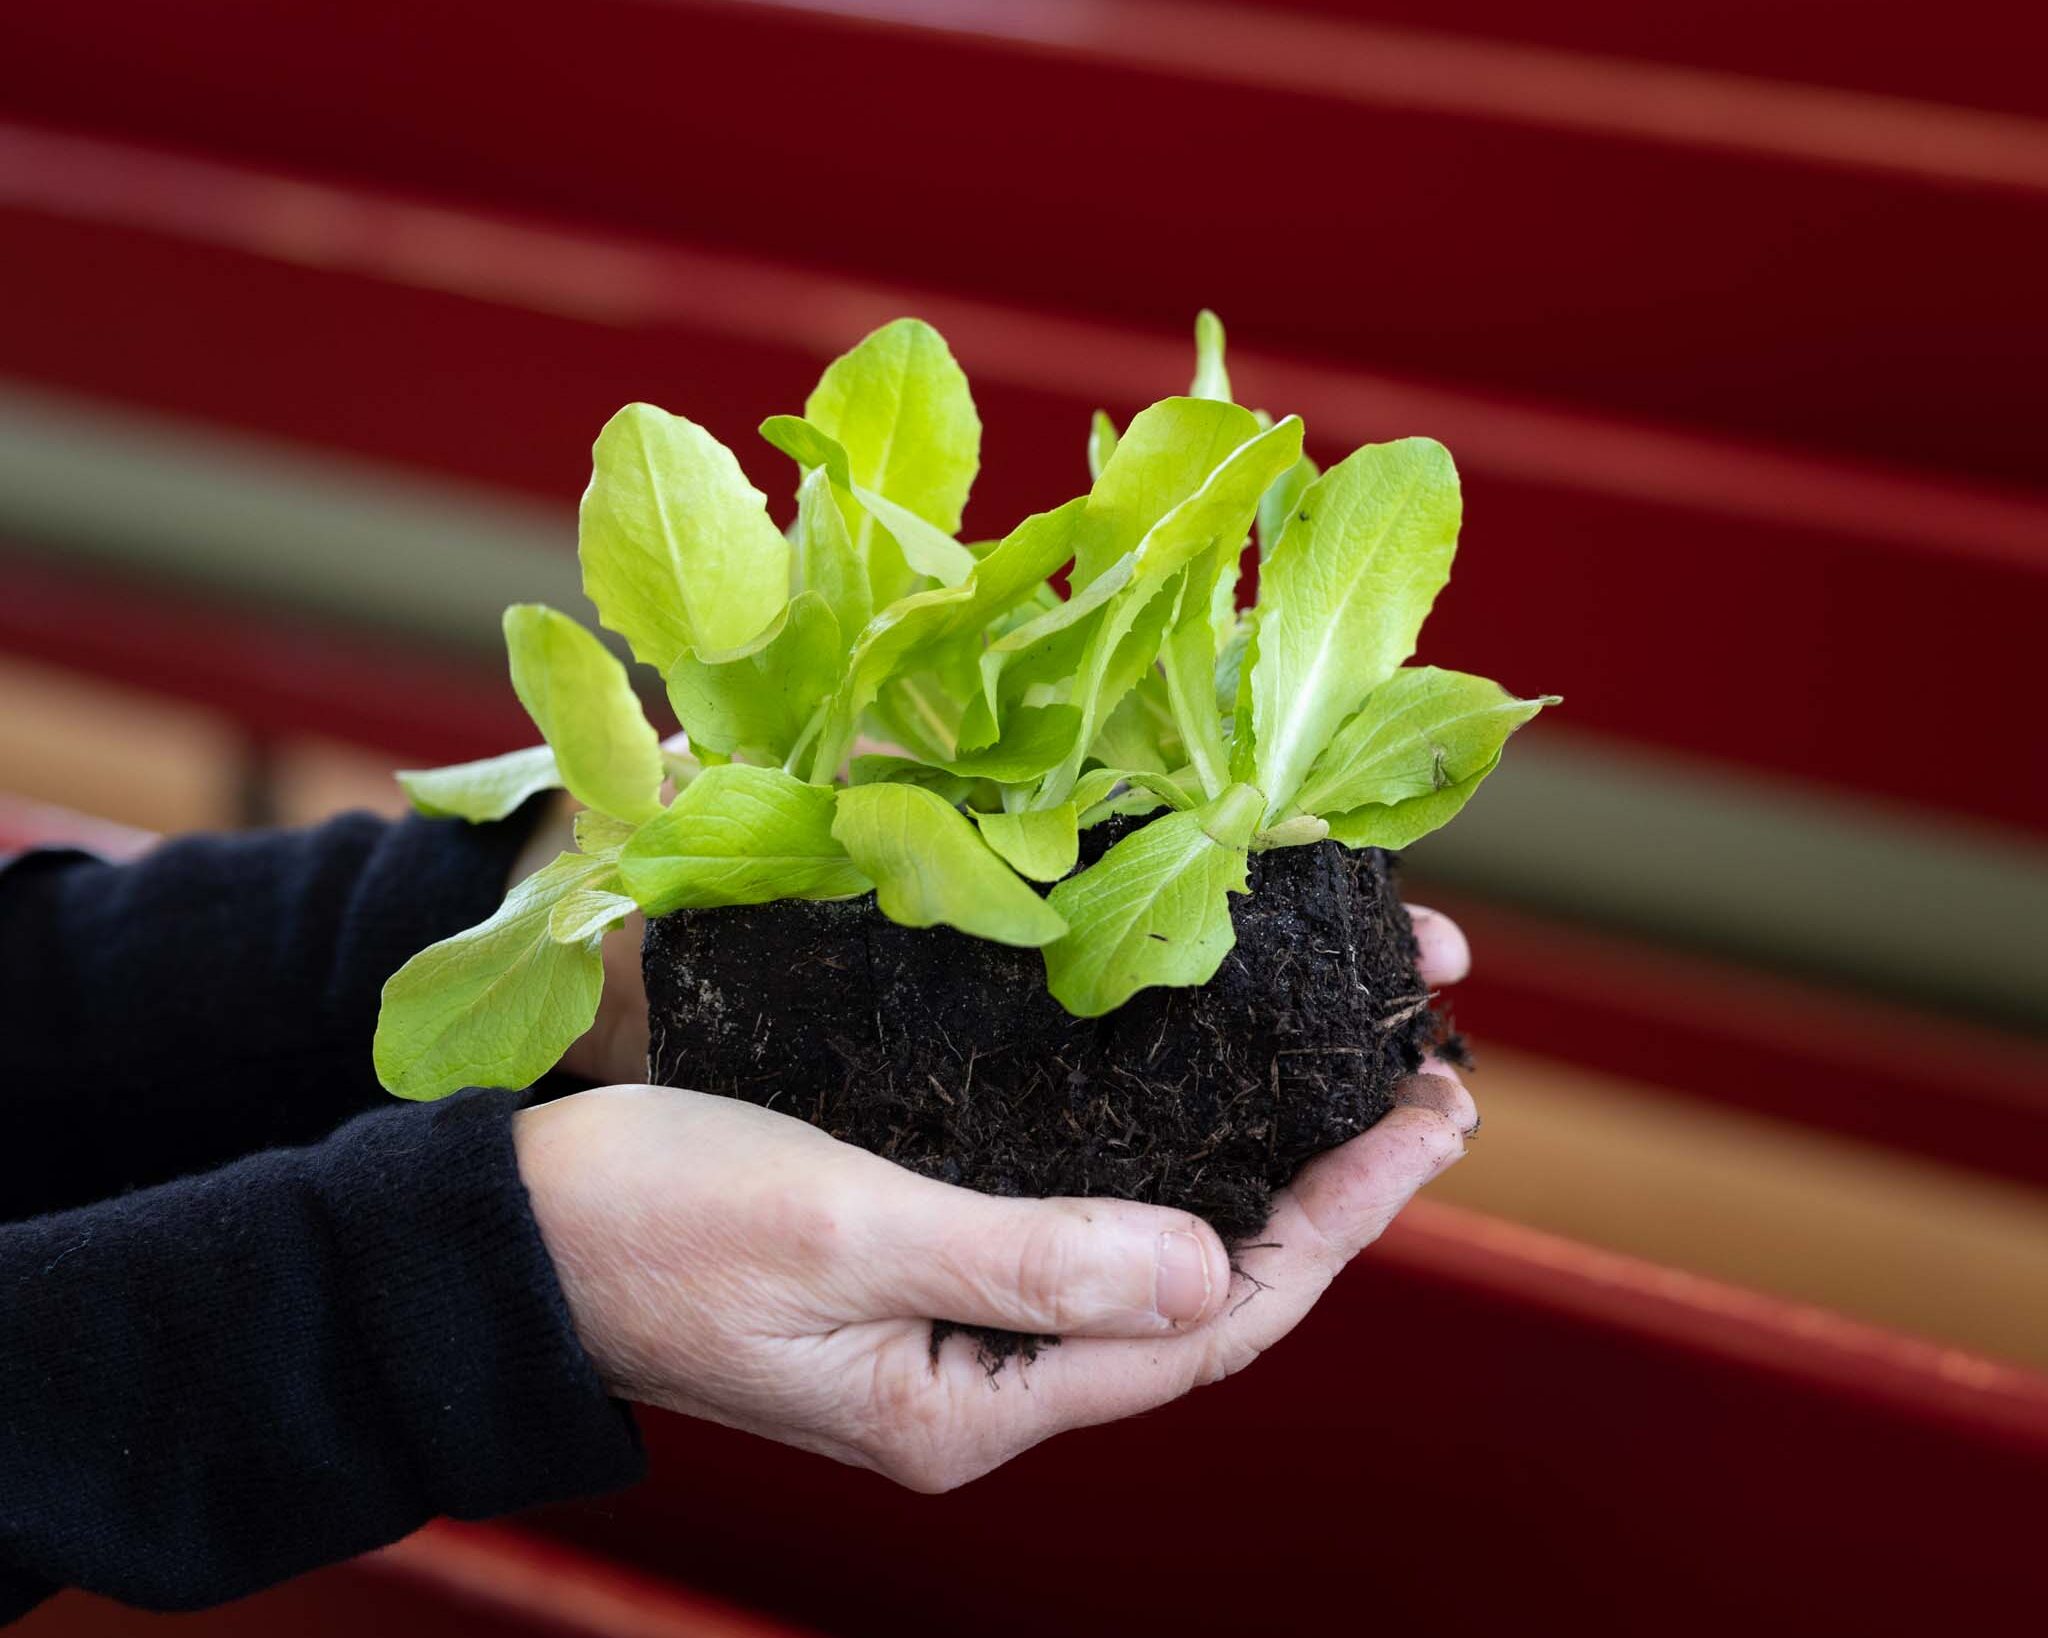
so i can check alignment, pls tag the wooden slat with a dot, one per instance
(271, 674)
(1881, 1072)
(1829, 268)
(449, 1581)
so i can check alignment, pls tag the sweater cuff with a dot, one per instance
(477, 1356)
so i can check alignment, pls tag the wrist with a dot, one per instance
(546, 1144)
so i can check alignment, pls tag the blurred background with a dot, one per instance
(1732, 316)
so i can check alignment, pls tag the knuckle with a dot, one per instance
(1048, 1270)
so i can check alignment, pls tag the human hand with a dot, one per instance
(739, 1265)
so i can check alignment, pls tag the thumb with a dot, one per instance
(1102, 1268)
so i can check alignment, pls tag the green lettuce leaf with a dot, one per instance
(1140, 731)
(1165, 455)
(916, 625)
(1101, 443)
(930, 865)
(586, 913)
(1277, 505)
(499, 1004)
(600, 835)
(1421, 730)
(1034, 738)
(899, 406)
(481, 791)
(739, 835)
(826, 561)
(1155, 908)
(1041, 843)
(579, 698)
(1187, 663)
(757, 700)
(1342, 597)
(1212, 380)
(1399, 824)
(677, 546)
(925, 548)
(903, 770)
(1218, 512)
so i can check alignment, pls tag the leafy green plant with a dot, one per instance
(1016, 717)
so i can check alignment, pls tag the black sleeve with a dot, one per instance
(213, 998)
(211, 1385)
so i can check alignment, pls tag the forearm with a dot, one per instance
(214, 997)
(210, 1386)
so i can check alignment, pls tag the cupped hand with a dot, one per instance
(735, 1264)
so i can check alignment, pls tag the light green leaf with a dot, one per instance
(1400, 824)
(916, 625)
(1421, 730)
(1300, 831)
(1212, 380)
(1166, 454)
(497, 1005)
(930, 865)
(899, 406)
(921, 710)
(1230, 664)
(739, 835)
(1277, 505)
(757, 700)
(1095, 786)
(587, 913)
(579, 698)
(480, 791)
(826, 561)
(1042, 843)
(1155, 908)
(925, 548)
(1140, 731)
(677, 546)
(1035, 738)
(1218, 512)
(1187, 662)
(903, 770)
(680, 762)
(1101, 443)
(1342, 597)
(1244, 742)
(600, 835)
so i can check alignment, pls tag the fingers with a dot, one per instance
(1445, 956)
(1053, 1267)
(1341, 1202)
(1350, 1194)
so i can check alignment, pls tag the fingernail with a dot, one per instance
(1181, 1285)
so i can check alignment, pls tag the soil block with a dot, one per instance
(946, 1054)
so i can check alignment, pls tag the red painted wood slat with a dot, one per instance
(1833, 269)
(449, 1581)
(1756, 1041)
(271, 674)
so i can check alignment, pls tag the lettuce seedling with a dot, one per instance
(1016, 716)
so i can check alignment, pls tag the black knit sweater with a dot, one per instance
(256, 1317)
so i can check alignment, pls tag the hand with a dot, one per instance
(731, 1263)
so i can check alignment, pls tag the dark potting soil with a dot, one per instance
(946, 1054)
